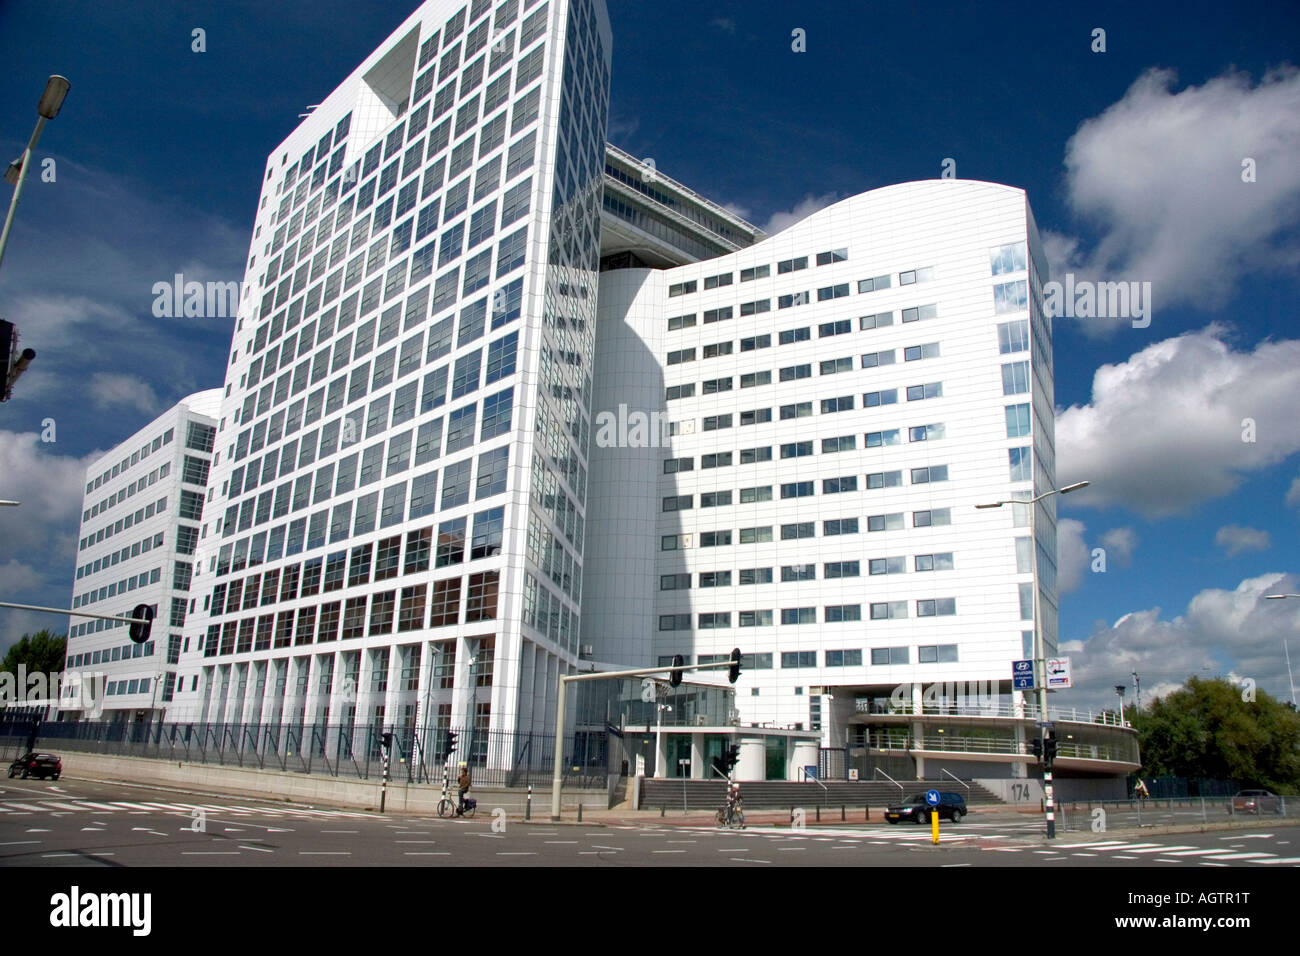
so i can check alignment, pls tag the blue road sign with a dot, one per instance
(932, 797)
(1022, 674)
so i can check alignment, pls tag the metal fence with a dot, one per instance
(1084, 816)
(419, 754)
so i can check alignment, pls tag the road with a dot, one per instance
(94, 824)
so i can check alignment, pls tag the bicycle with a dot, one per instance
(447, 807)
(732, 815)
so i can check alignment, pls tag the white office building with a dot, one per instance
(139, 530)
(396, 534)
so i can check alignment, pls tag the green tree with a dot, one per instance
(42, 651)
(1205, 729)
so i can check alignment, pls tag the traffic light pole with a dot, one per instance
(59, 610)
(557, 778)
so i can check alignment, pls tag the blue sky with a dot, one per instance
(1131, 159)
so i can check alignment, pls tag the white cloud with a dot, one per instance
(1235, 539)
(1222, 632)
(1120, 543)
(1160, 174)
(1293, 494)
(802, 210)
(1164, 430)
(40, 535)
(725, 24)
(1072, 555)
(109, 388)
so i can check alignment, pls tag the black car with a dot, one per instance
(34, 764)
(914, 808)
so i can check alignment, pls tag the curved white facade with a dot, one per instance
(857, 367)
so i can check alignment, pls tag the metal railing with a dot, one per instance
(952, 708)
(888, 739)
(494, 758)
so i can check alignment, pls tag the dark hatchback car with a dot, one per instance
(914, 808)
(36, 764)
(1256, 801)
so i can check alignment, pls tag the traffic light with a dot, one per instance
(1036, 747)
(143, 615)
(733, 672)
(387, 741)
(12, 362)
(451, 742)
(730, 757)
(1049, 747)
(676, 677)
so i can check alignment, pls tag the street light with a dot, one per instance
(1040, 660)
(1286, 650)
(56, 88)
(1119, 690)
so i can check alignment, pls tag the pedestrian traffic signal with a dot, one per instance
(675, 678)
(1036, 747)
(451, 742)
(143, 624)
(1049, 747)
(387, 741)
(733, 672)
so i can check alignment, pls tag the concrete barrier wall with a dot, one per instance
(311, 789)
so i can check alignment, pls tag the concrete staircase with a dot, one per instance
(778, 794)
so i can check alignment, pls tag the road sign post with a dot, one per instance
(932, 798)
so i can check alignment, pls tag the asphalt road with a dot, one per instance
(82, 823)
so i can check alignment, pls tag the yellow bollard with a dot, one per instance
(934, 825)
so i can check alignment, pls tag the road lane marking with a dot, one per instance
(259, 849)
(1286, 859)
(1240, 856)
(209, 853)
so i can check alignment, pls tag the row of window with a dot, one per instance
(911, 353)
(123, 652)
(829, 486)
(129, 491)
(196, 437)
(787, 266)
(123, 523)
(133, 551)
(831, 570)
(831, 614)
(795, 531)
(846, 657)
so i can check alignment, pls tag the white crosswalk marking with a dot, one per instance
(1194, 852)
(1239, 856)
(1289, 860)
(1165, 849)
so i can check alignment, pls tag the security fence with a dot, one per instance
(419, 754)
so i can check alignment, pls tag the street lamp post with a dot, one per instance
(1285, 649)
(1040, 658)
(56, 88)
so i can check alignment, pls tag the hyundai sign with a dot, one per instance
(1022, 675)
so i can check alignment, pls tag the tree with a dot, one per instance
(42, 651)
(1206, 730)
